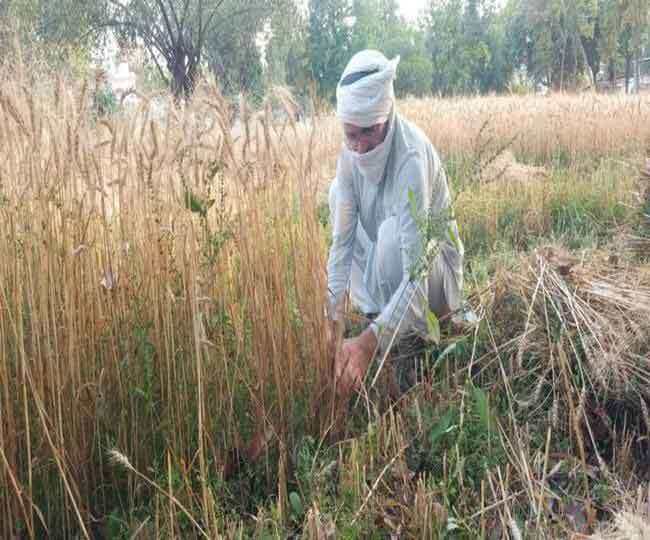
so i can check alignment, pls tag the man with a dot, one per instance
(388, 176)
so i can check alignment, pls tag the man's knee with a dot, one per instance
(389, 255)
(388, 239)
(445, 288)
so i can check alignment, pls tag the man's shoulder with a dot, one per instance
(412, 131)
(413, 137)
(415, 144)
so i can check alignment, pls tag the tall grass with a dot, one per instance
(561, 128)
(163, 365)
(162, 293)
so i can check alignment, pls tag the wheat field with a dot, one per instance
(163, 365)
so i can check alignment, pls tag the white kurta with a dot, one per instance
(376, 241)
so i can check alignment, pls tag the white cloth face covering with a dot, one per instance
(372, 164)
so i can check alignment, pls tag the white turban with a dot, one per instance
(365, 94)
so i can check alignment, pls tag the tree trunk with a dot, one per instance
(637, 72)
(628, 72)
(190, 78)
(611, 69)
(184, 71)
(179, 75)
(563, 64)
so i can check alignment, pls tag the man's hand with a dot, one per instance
(352, 362)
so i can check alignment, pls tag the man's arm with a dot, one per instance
(344, 231)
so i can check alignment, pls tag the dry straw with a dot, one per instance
(162, 290)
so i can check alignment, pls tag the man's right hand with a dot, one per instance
(352, 362)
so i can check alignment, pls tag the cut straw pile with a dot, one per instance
(632, 522)
(578, 333)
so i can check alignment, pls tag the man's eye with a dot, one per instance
(366, 131)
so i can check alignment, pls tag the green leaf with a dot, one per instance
(443, 427)
(448, 350)
(482, 404)
(433, 327)
(414, 204)
(454, 238)
(195, 204)
(296, 504)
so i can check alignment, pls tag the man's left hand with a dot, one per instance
(353, 360)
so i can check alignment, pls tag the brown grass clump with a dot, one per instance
(506, 168)
(571, 350)
(631, 521)
(566, 364)
(586, 319)
(628, 526)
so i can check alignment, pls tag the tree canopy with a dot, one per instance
(455, 47)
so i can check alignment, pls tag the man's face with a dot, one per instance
(362, 140)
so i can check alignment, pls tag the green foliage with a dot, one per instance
(286, 52)
(468, 47)
(104, 102)
(433, 327)
(328, 43)
(144, 357)
(378, 26)
(60, 34)
(196, 204)
(444, 426)
(461, 443)
(433, 229)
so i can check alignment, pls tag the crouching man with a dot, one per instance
(390, 187)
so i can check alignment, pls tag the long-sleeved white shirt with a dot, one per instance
(412, 165)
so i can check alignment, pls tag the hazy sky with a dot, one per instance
(411, 8)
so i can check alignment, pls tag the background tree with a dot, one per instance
(286, 50)
(61, 33)
(635, 15)
(329, 39)
(377, 25)
(234, 56)
(445, 26)
(467, 46)
(457, 46)
(176, 33)
(562, 40)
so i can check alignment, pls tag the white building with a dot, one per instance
(122, 80)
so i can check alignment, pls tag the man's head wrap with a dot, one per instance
(365, 95)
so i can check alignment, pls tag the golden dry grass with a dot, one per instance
(162, 290)
(133, 318)
(574, 126)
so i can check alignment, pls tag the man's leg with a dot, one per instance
(386, 273)
(384, 280)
